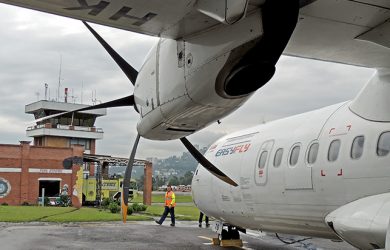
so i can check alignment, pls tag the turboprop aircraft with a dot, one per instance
(213, 54)
(324, 173)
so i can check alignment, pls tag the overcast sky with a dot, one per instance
(32, 43)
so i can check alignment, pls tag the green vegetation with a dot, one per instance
(93, 214)
(30, 213)
(137, 207)
(61, 214)
(139, 212)
(114, 207)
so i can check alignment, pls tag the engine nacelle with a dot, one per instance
(187, 84)
(363, 223)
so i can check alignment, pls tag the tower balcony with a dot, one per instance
(65, 131)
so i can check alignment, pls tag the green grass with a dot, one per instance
(92, 214)
(85, 214)
(159, 198)
(30, 213)
(61, 214)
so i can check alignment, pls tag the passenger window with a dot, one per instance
(294, 155)
(334, 149)
(278, 157)
(357, 147)
(383, 144)
(312, 155)
(263, 159)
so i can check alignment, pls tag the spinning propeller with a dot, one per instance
(132, 74)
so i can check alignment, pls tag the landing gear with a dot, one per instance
(229, 236)
(231, 233)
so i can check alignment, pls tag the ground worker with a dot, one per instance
(170, 203)
(201, 218)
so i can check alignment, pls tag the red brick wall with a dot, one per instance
(25, 185)
(13, 198)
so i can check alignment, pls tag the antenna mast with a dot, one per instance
(59, 79)
(46, 87)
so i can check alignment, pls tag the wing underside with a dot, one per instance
(344, 31)
(353, 32)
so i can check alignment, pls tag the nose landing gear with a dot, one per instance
(229, 236)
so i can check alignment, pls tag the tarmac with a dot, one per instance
(139, 235)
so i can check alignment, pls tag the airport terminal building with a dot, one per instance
(61, 157)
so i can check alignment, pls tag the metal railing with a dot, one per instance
(66, 127)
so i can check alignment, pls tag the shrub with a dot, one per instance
(143, 207)
(64, 201)
(114, 207)
(4, 204)
(130, 210)
(139, 207)
(106, 202)
(135, 207)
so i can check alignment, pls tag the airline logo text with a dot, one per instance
(233, 150)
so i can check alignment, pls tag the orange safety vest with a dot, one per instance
(170, 199)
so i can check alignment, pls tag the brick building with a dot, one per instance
(26, 169)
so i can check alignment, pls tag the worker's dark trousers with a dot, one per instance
(166, 211)
(201, 218)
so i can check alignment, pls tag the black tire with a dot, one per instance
(225, 235)
(235, 234)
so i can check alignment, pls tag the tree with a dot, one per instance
(188, 178)
(174, 181)
(158, 181)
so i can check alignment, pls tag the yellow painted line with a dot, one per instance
(205, 238)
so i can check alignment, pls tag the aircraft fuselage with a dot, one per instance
(294, 172)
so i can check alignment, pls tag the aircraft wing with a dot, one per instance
(353, 32)
(168, 18)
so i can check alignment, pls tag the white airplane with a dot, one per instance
(213, 55)
(324, 173)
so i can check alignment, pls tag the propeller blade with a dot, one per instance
(121, 102)
(126, 180)
(130, 72)
(206, 163)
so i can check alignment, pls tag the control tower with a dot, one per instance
(66, 130)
